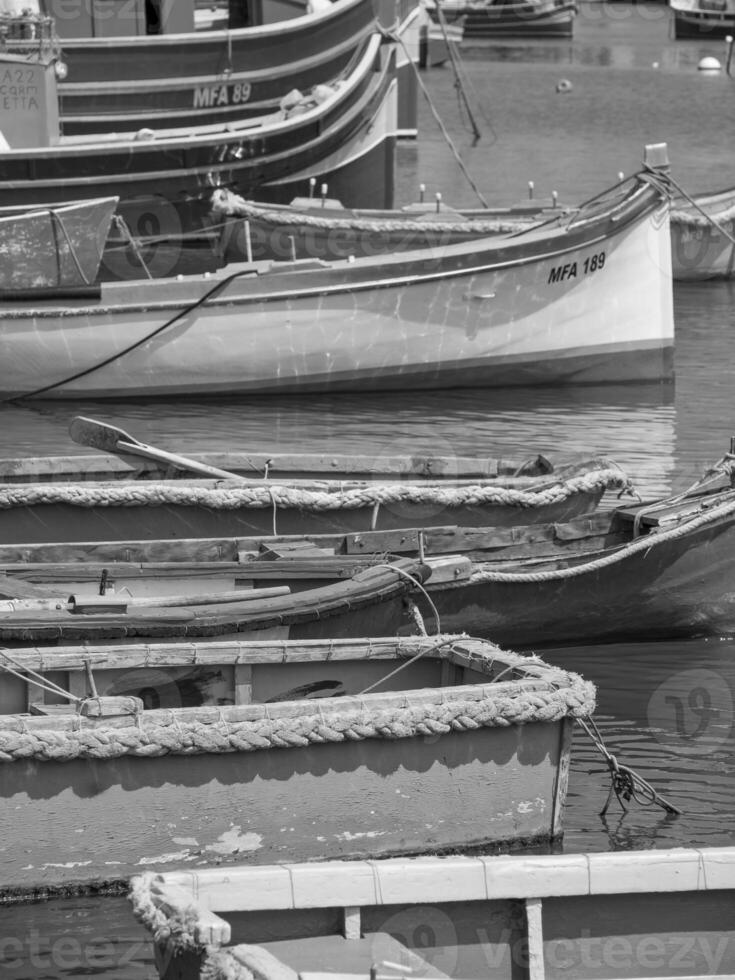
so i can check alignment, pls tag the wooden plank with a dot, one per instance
(262, 964)
(351, 922)
(562, 776)
(243, 683)
(450, 568)
(391, 542)
(535, 937)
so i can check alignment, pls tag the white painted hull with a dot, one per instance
(492, 312)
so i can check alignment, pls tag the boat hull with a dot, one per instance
(552, 310)
(698, 24)
(701, 248)
(554, 19)
(673, 590)
(277, 805)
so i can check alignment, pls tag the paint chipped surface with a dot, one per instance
(185, 841)
(233, 842)
(529, 806)
(360, 835)
(166, 858)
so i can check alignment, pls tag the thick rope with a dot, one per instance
(172, 733)
(173, 928)
(645, 543)
(225, 202)
(704, 217)
(259, 497)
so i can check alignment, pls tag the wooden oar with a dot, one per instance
(110, 439)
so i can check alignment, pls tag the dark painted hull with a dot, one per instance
(205, 77)
(164, 184)
(516, 20)
(703, 24)
(280, 805)
(681, 588)
(66, 522)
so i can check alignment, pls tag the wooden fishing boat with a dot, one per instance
(270, 752)
(46, 248)
(145, 491)
(343, 132)
(509, 18)
(584, 301)
(703, 19)
(369, 599)
(651, 913)
(656, 570)
(703, 236)
(145, 65)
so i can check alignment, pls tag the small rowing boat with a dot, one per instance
(655, 569)
(137, 490)
(273, 751)
(703, 236)
(651, 913)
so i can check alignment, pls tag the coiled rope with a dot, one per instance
(645, 543)
(259, 497)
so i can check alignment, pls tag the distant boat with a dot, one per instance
(53, 247)
(273, 751)
(702, 19)
(624, 914)
(509, 18)
(586, 300)
(703, 244)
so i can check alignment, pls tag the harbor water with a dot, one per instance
(665, 709)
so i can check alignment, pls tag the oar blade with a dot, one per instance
(98, 435)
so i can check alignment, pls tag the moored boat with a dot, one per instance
(342, 131)
(655, 570)
(509, 18)
(702, 19)
(55, 247)
(587, 301)
(282, 752)
(703, 236)
(370, 597)
(87, 497)
(611, 915)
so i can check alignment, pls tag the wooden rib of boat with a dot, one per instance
(264, 752)
(584, 301)
(657, 570)
(45, 510)
(702, 19)
(630, 914)
(46, 248)
(370, 601)
(703, 244)
(509, 18)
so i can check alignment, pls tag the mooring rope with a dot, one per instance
(682, 217)
(625, 783)
(644, 543)
(30, 676)
(397, 39)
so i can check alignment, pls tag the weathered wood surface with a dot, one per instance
(293, 465)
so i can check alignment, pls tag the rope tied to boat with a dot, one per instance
(158, 733)
(625, 783)
(175, 927)
(703, 218)
(262, 496)
(645, 543)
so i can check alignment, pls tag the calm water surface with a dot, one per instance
(664, 709)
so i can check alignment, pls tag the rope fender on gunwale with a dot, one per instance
(644, 543)
(570, 696)
(260, 497)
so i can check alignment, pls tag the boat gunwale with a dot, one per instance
(585, 235)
